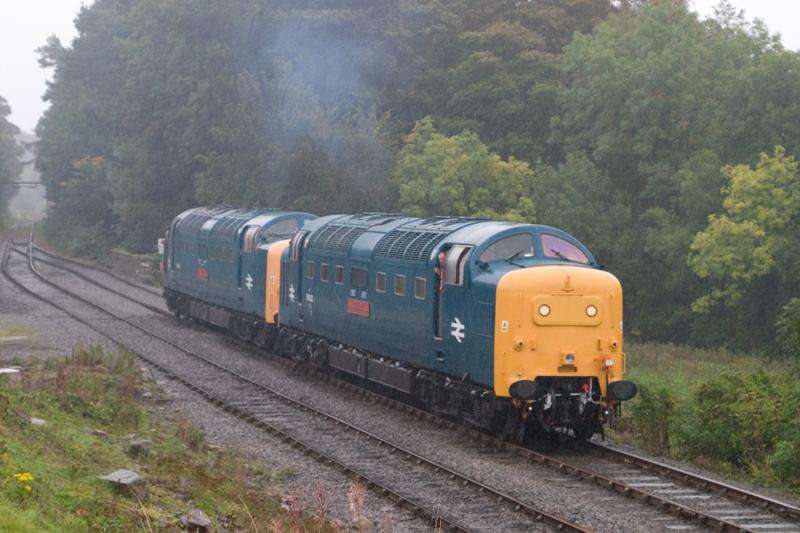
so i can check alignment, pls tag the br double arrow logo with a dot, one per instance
(457, 330)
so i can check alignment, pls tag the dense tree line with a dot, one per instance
(10, 152)
(665, 142)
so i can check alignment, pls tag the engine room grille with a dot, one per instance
(409, 245)
(335, 238)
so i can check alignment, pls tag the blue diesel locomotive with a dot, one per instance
(510, 327)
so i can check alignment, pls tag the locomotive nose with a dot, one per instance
(568, 320)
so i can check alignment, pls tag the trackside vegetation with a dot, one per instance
(68, 421)
(734, 414)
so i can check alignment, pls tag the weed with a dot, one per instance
(358, 489)
(322, 499)
(189, 434)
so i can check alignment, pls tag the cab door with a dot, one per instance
(451, 300)
(248, 280)
(294, 282)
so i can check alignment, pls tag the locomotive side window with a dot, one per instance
(419, 288)
(339, 274)
(323, 272)
(310, 269)
(520, 245)
(251, 239)
(400, 285)
(359, 278)
(380, 282)
(559, 248)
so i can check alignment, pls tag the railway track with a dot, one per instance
(448, 499)
(110, 273)
(161, 310)
(674, 491)
(755, 509)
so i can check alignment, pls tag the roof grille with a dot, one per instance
(409, 245)
(336, 238)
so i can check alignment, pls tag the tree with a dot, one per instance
(77, 133)
(656, 99)
(787, 328)
(757, 231)
(457, 175)
(753, 240)
(10, 151)
(492, 68)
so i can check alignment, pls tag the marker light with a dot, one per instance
(591, 311)
(569, 359)
(544, 310)
(608, 363)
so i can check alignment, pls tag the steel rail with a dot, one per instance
(704, 483)
(539, 515)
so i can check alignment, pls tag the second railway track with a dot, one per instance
(707, 502)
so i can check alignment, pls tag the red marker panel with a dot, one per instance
(357, 307)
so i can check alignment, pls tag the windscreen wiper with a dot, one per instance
(514, 256)
(562, 256)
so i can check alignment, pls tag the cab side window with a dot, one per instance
(455, 263)
(297, 241)
(251, 239)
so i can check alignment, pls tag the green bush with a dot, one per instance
(80, 241)
(784, 462)
(739, 418)
(787, 328)
(649, 416)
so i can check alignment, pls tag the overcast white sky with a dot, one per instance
(25, 24)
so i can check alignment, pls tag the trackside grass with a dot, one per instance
(736, 414)
(91, 405)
